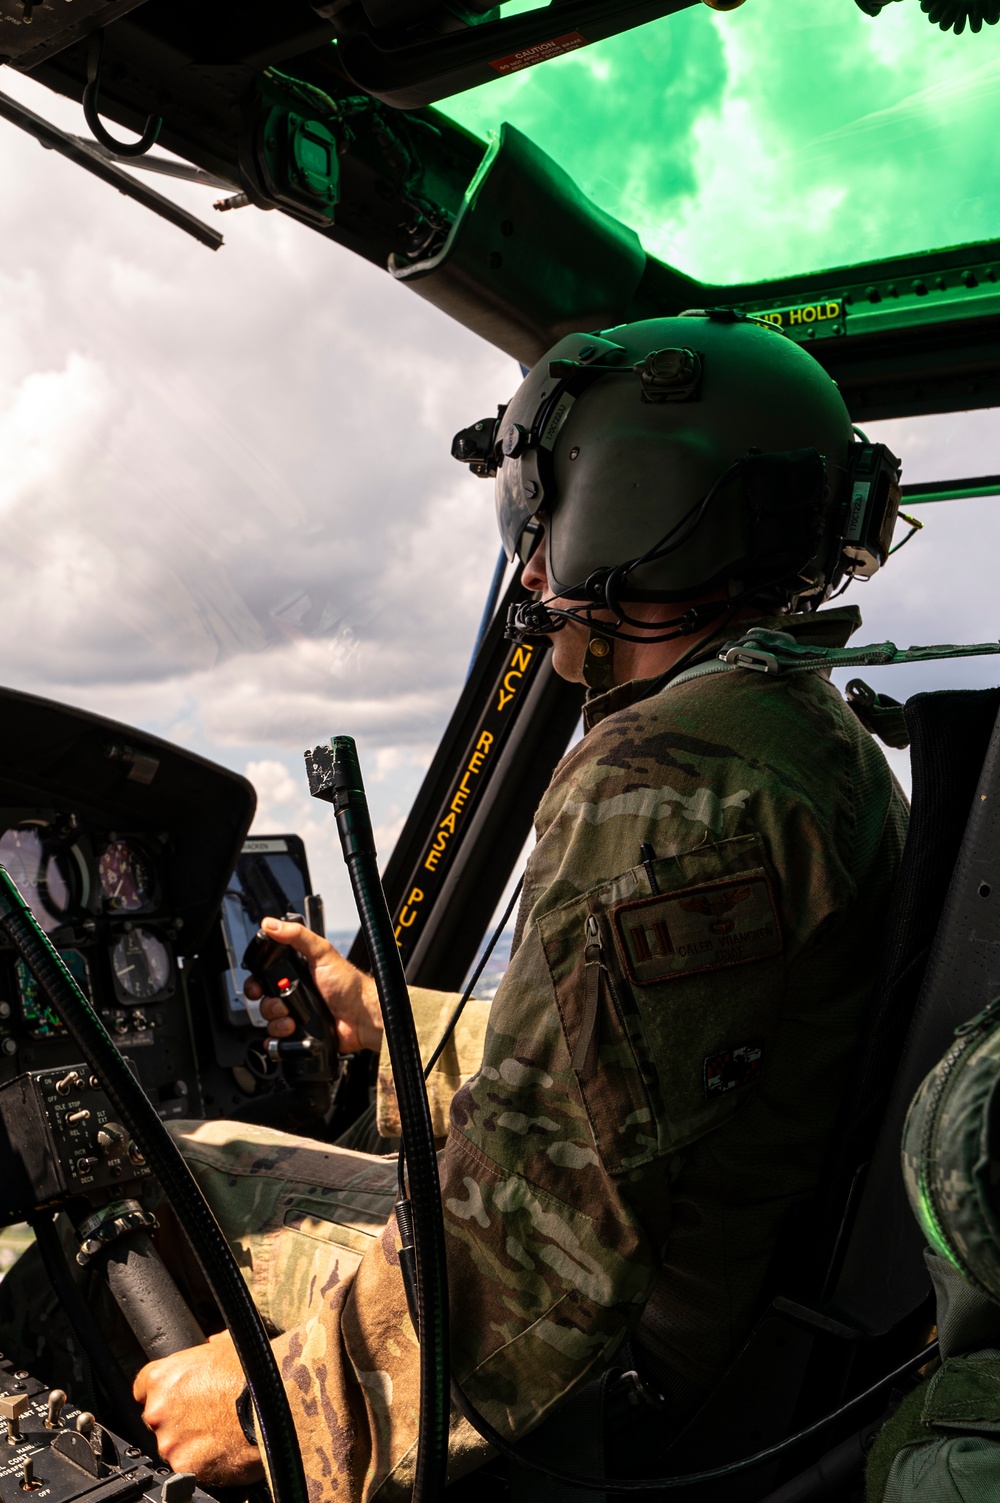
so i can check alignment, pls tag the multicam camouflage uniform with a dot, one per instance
(641, 1109)
(656, 1081)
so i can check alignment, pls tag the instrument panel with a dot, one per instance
(105, 901)
(123, 846)
(133, 856)
(101, 897)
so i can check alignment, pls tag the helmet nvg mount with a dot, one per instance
(670, 458)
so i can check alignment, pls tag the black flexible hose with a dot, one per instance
(689, 1479)
(354, 826)
(107, 1373)
(280, 1443)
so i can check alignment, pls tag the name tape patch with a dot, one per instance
(732, 1068)
(725, 923)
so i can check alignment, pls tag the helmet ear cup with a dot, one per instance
(785, 496)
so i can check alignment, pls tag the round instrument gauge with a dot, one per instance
(126, 877)
(142, 964)
(44, 871)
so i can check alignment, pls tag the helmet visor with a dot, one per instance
(514, 512)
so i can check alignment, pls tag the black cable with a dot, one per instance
(615, 580)
(663, 547)
(341, 776)
(526, 619)
(280, 1444)
(91, 106)
(689, 1479)
(117, 1389)
(452, 1022)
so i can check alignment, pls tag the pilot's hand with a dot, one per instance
(349, 994)
(189, 1402)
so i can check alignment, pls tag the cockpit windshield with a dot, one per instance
(775, 139)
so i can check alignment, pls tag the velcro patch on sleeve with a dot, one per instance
(706, 928)
(732, 1068)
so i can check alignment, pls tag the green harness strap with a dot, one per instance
(777, 652)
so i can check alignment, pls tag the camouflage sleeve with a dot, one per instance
(459, 1061)
(943, 1442)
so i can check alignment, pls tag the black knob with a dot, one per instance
(112, 1140)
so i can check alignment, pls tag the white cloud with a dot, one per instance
(275, 788)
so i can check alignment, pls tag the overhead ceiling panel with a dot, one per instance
(30, 32)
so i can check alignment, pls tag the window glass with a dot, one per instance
(783, 137)
(941, 587)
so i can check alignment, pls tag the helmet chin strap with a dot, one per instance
(598, 662)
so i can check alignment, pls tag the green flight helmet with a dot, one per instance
(684, 453)
(951, 1153)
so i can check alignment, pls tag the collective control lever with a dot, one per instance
(65, 1149)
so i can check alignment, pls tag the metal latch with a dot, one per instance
(740, 656)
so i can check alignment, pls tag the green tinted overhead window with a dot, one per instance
(783, 137)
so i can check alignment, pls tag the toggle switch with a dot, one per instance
(53, 1418)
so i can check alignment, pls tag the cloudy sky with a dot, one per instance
(230, 514)
(229, 511)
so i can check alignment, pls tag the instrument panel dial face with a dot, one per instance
(44, 871)
(142, 964)
(126, 877)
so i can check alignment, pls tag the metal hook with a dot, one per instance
(154, 123)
